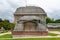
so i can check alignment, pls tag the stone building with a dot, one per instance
(29, 21)
(53, 25)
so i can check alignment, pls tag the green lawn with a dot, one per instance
(33, 39)
(6, 36)
(52, 34)
(54, 29)
(9, 36)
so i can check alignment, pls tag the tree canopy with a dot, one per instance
(49, 20)
(6, 24)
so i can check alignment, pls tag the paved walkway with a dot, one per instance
(40, 37)
(55, 32)
(5, 33)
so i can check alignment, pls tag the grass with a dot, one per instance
(54, 29)
(52, 34)
(10, 35)
(33, 39)
(6, 36)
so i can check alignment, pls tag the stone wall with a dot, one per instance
(31, 33)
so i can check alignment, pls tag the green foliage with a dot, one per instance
(57, 21)
(11, 25)
(1, 24)
(1, 20)
(6, 20)
(6, 24)
(49, 20)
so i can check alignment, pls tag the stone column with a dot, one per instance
(15, 20)
(18, 27)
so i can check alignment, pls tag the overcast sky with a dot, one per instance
(8, 7)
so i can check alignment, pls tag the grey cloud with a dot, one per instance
(55, 14)
(8, 7)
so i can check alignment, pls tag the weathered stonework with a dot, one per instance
(36, 33)
(30, 21)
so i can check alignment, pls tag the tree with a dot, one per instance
(57, 21)
(6, 24)
(6, 20)
(11, 26)
(1, 24)
(1, 20)
(49, 20)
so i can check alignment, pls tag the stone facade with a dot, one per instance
(30, 20)
(29, 33)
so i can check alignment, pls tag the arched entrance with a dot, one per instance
(30, 26)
